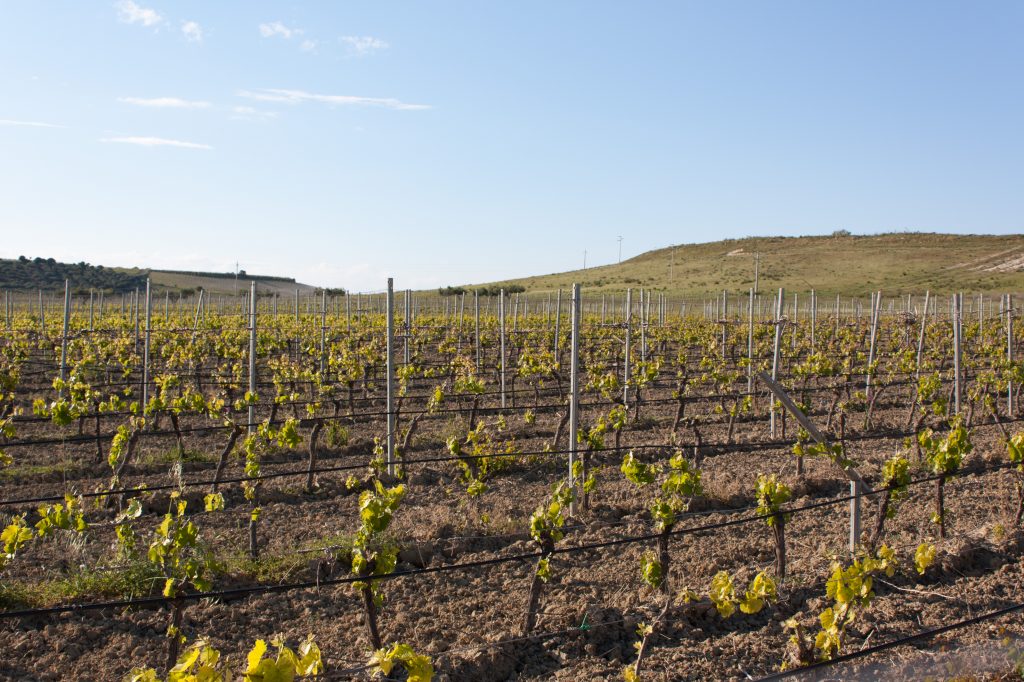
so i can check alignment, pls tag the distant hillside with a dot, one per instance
(222, 282)
(26, 274)
(851, 265)
(46, 273)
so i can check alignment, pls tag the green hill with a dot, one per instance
(25, 274)
(841, 263)
(222, 283)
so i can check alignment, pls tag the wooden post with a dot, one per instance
(1009, 353)
(857, 487)
(323, 334)
(476, 308)
(958, 302)
(643, 326)
(725, 319)
(574, 391)
(558, 321)
(146, 346)
(838, 307)
(408, 322)
(462, 317)
(501, 326)
(876, 301)
(390, 380)
(920, 338)
(625, 362)
(64, 333)
(750, 342)
(814, 317)
(252, 355)
(776, 350)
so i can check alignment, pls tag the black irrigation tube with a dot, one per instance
(682, 350)
(284, 587)
(343, 399)
(856, 380)
(352, 669)
(666, 380)
(716, 449)
(303, 472)
(177, 486)
(926, 634)
(92, 438)
(678, 343)
(547, 392)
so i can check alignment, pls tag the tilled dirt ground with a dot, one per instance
(469, 620)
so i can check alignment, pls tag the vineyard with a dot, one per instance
(470, 487)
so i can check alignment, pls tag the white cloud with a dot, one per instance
(361, 46)
(276, 28)
(193, 32)
(298, 96)
(164, 102)
(156, 142)
(308, 45)
(130, 13)
(251, 114)
(28, 124)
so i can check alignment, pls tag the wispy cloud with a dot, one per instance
(165, 102)
(28, 124)
(251, 114)
(298, 96)
(308, 45)
(192, 31)
(361, 46)
(131, 13)
(276, 28)
(156, 142)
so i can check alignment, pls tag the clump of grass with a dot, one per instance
(337, 435)
(135, 579)
(290, 565)
(21, 470)
(173, 455)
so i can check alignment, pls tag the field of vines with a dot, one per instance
(197, 489)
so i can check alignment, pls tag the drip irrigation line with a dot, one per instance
(285, 587)
(926, 634)
(484, 409)
(345, 673)
(303, 472)
(736, 447)
(716, 449)
(546, 391)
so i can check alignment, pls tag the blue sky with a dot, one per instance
(449, 142)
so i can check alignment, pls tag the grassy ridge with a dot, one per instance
(47, 274)
(224, 283)
(23, 274)
(851, 265)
